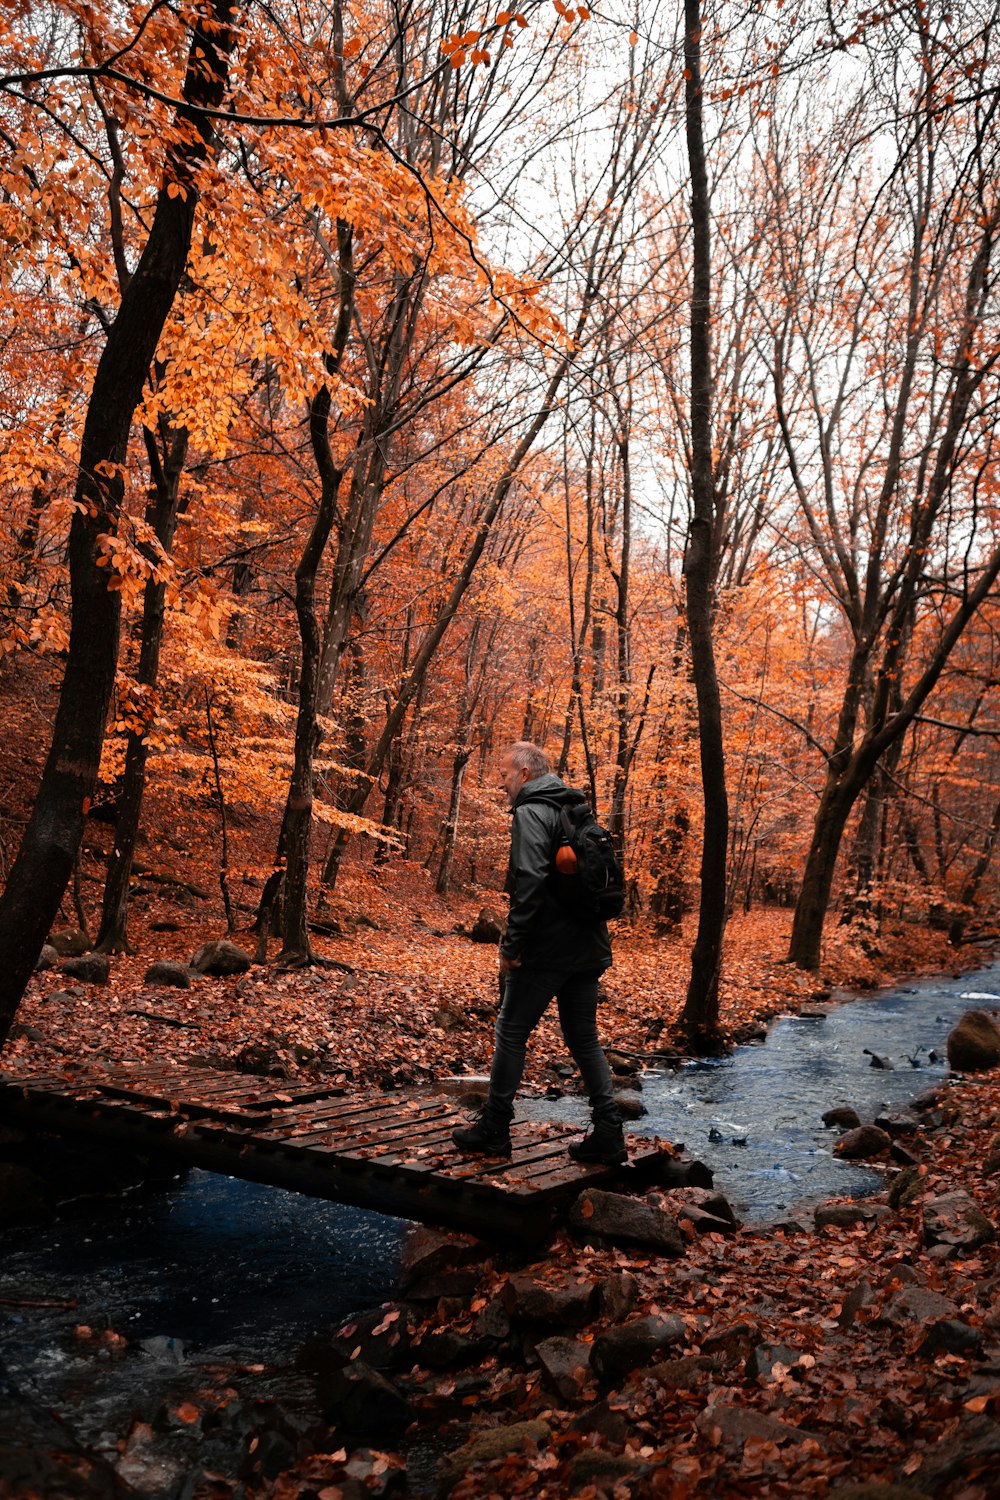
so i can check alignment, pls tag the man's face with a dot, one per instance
(512, 777)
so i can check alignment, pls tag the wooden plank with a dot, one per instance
(302, 1124)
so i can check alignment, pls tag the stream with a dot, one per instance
(215, 1278)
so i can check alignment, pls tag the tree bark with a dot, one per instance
(296, 828)
(700, 1017)
(45, 861)
(162, 516)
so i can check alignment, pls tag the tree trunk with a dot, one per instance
(700, 1017)
(162, 516)
(839, 796)
(45, 861)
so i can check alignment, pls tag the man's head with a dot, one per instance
(522, 763)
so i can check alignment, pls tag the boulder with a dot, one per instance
(567, 1305)
(617, 1295)
(496, 1443)
(168, 974)
(625, 1221)
(622, 1349)
(382, 1337)
(860, 1144)
(47, 959)
(734, 1342)
(861, 1295)
(903, 1124)
(566, 1364)
(621, 1064)
(732, 1425)
(363, 1405)
(838, 1215)
(761, 1361)
(684, 1373)
(69, 942)
(952, 1336)
(487, 928)
(918, 1304)
(221, 958)
(447, 1349)
(630, 1105)
(955, 1220)
(707, 1212)
(91, 968)
(843, 1117)
(907, 1187)
(597, 1469)
(427, 1252)
(974, 1044)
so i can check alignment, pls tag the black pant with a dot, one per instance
(526, 998)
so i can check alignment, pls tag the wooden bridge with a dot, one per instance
(388, 1152)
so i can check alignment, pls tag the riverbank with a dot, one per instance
(859, 1349)
(407, 997)
(656, 1351)
(713, 1360)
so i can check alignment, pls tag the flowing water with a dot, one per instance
(218, 1274)
(756, 1117)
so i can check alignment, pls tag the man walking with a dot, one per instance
(547, 949)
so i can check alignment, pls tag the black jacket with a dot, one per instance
(540, 931)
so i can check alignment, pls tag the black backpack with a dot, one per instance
(596, 891)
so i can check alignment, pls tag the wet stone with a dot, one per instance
(382, 1337)
(899, 1125)
(974, 1044)
(844, 1117)
(567, 1305)
(622, 1349)
(362, 1404)
(839, 1215)
(860, 1144)
(566, 1363)
(617, 1295)
(625, 1221)
(427, 1252)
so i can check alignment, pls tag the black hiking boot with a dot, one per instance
(604, 1144)
(485, 1136)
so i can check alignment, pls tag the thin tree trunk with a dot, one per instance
(700, 1017)
(297, 820)
(45, 861)
(162, 516)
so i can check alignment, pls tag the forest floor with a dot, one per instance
(788, 1361)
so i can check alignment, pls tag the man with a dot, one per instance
(547, 949)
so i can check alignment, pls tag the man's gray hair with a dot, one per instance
(526, 756)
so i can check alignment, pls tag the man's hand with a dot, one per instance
(508, 964)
